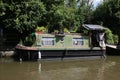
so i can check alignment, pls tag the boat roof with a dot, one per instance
(93, 27)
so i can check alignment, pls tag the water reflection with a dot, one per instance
(61, 70)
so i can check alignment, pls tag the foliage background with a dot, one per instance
(25, 15)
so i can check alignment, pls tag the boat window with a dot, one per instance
(78, 41)
(48, 41)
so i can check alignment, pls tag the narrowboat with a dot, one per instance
(66, 45)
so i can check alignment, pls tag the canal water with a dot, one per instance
(86, 69)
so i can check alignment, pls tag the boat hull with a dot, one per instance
(53, 54)
(112, 51)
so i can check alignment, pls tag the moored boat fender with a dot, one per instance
(102, 44)
(103, 48)
(101, 40)
(39, 55)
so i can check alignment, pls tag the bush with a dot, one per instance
(56, 31)
(111, 38)
(29, 40)
(66, 30)
(115, 38)
(41, 29)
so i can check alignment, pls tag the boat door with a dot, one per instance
(94, 39)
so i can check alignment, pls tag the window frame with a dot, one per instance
(47, 39)
(79, 41)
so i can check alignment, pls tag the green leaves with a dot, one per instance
(25, 15)
(109, 14)
(111, 38)
(22, 15)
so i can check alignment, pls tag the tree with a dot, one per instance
(49, 3)
(87, 9)
(63, 13)
(108, 14)
(21, 15)
(55, 14)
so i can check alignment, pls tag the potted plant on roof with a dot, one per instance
(41, 29)
(66, 30)
(56, 31)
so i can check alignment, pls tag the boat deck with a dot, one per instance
(112, 46)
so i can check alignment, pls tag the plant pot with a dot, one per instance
(39, 32)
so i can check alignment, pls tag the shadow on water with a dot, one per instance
(99, 69)
(25, 55)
